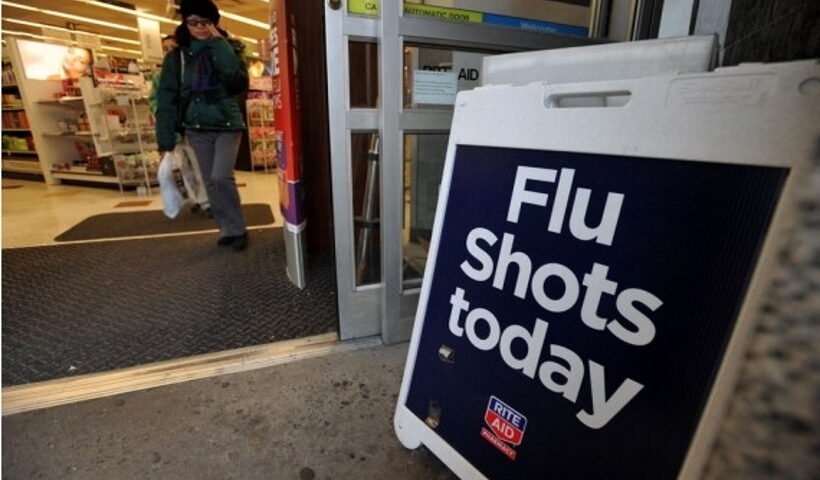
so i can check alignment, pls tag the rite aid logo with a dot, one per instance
(507, 426)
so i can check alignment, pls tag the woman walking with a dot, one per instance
(201, 80)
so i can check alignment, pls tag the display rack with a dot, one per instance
(262, 134)
(123, 128)
(261, 131)
(18, 148)
(73, 129)
(55, 115)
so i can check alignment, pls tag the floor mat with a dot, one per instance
(85, 308)
(154, 222)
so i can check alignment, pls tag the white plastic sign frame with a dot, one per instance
(752, 115)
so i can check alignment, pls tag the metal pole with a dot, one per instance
(368, 219)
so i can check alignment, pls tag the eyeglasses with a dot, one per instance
(193, 22)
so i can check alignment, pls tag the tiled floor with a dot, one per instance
(34, 213)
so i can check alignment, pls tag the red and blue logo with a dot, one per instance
(506, 425)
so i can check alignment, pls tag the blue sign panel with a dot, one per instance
(534, 25)
(584, 303)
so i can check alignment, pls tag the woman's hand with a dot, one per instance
(213, 31)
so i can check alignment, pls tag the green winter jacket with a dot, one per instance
(152, 97)
(216, 109)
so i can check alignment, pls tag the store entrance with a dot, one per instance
(396, 70)
(95, 278)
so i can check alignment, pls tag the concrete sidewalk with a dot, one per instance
(331, 418)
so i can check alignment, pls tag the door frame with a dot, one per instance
(386, 308)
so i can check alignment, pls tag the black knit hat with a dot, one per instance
(203, 8)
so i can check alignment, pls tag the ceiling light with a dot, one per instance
(69, 16)
(62, 40)
(247, 39)
(160, 19)
(42, 25)
(116, 49)
(38, 37)
(26, 34)
(232, 16)
(136, 13)
(118, 26)
(245, 20)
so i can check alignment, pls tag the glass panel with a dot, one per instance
(424, 156)
(432, 76)
(365, 174)
(364, 74)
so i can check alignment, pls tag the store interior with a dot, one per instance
(102, 294)
(95, 277)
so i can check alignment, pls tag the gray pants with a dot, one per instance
(216, 153)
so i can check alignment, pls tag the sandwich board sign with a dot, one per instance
(594, 271)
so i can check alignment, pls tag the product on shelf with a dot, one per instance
(18, 144)
(88, 156)
(8, 74)
(9, 121)
(70, 88)
(133, 168)
(256, 84)
(261, 132)
(119, 81)
(82, 123)
(12, 100)
(15, 120)
(69, 125)
(107, 167)
(263, 146)
(258, 95)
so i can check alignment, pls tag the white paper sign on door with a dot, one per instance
(434, 88)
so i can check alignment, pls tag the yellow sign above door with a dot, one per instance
(371, 8)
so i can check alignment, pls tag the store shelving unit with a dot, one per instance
(17, 132)
(261, 131)
(70, 109)
(122, 128)
(262, 134)
(60, 154)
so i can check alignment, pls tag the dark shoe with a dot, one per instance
(225, 241)
(209, 213)
(240, 243)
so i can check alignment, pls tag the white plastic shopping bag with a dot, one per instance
(191, 174)
(171, 185)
